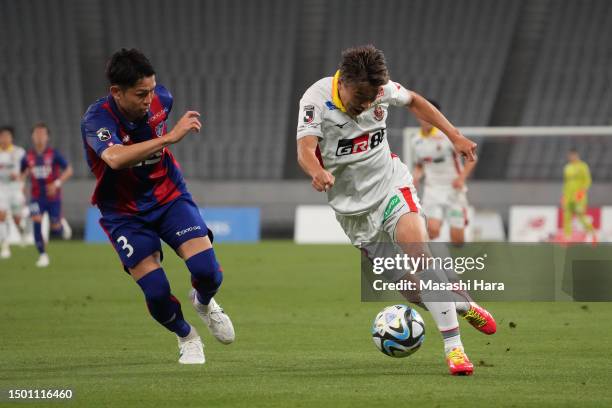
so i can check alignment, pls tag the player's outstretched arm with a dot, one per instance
(322, 180)
(123, 156)
(424, 110)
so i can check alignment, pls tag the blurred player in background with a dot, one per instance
(143, 198)
(342, 146)
(444, 197)
(12, 199)
(576, 184)
(48, 171)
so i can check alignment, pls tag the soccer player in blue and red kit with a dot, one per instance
(143, 198)
(48, 171)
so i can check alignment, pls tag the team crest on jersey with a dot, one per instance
(159, 129)
(104, 134)
(308, 113)
(379, 113)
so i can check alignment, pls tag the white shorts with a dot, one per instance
(446, 204)
(12, 199)
(378, 225)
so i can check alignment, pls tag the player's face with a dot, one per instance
(40, 138)
(572, 156)
(357, 98)
(6, 139)
(135, 101)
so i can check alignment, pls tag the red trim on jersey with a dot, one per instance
(408, 197)
(393, 155)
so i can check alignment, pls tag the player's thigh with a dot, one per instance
(4, 204)
(133, 239)
(37, 209)
(182, 227)
(17, 203)
(54, 209)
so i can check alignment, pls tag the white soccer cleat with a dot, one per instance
(66, 230)
(191, 349)
(214, 317)
(43, 261)
(5, 252)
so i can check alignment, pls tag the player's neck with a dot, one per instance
(6, 148)
(39, 150)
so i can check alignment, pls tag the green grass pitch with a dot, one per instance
(302, 339)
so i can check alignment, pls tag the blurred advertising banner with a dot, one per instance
(228, 224)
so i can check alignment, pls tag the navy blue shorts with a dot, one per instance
(136, 236)
(53, 208)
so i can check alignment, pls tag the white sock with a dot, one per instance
(445, 316)
(3, 231)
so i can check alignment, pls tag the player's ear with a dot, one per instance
(116, 91)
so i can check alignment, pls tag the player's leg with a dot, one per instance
(580, 211)
(37, 208)
(5, 251)
(433, 227)
(568, 215)
(183, 228)
(17, 209)
(139, 249)
(54, 209)
(411, 235)
(457, 220)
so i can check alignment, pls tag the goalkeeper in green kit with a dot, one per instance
(576, 183)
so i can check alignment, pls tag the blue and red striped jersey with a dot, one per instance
(144, 186)
(44, 169)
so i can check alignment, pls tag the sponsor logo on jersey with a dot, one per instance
(381, 93)
(360, 144)
(308, 113)
(186, 230)
(379, 113)
(393, 202)
(126, 139)
(104, 134)
(341, 125)
(159, 129)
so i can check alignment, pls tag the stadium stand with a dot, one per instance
(243, 65)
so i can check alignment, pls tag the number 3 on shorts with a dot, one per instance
(123, 241)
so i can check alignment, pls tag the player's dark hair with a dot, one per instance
(434, 103)
(41, 125)
(126, 67)
(364, 65)
(7, 128)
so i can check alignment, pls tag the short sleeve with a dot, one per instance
(165, 97)
(398, 95)
(60, 160)
(310, 119)
(99, 134)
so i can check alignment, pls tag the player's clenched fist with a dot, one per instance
(323, 180)
(466, 148)
(189, 122)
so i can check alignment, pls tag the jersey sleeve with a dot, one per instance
(310, 116)
(396, 94)
(60, 160)
(165, 97)
(99, 133)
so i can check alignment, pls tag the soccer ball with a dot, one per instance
(398, 331)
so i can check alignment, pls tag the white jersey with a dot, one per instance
(355, 151)
(436, 154)
(10, 165)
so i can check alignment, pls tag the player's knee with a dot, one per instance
(205, 269)
(37, 218)
(434, 232)
(2, 216)
(155, 286)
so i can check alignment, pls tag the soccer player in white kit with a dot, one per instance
(342, 146)
(444, 198)
(12, 198)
